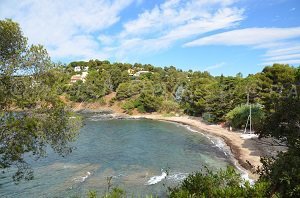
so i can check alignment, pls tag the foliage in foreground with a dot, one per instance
(283, 171)
(32, 116)
(225, 183)
(114, 193)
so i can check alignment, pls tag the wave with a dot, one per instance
(244, 175)
(82, 178)
(176, 177)
(190, 129)
(218, 142)
(155, 179)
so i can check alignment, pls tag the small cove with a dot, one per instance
(132, 152)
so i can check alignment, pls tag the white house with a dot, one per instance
(137, 74)
(84, 74)
(86, 69)
(130, 72)
(78, 77)
(77, 69)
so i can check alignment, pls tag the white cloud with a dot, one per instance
(66, 27)
(288, 61)
(174, 21)
(283, 57)
(280, 43)
(78, 29)
(283, 51)
(216, 66)
(248, 36)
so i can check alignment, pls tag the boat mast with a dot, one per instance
(250, 115)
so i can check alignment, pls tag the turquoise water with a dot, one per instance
(130, 151)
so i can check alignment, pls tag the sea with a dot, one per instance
(142, 157)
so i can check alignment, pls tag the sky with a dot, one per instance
(218, 36)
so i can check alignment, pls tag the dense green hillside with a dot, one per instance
(196, 93)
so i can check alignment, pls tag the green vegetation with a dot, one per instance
(227, 183)
(195, 93)
(283, 171)
(237, 116)
(274, 98)
(33, 116)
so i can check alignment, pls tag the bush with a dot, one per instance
(227, 183)
(141, 109)
(101, 101)
(112, 101)
(123, 91)
(114, 193)
(128, 89)
(238, 116)
(208, 117)
(169, 106)
(128, 106)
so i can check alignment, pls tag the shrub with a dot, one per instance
(238, 116)
(169, 106)
(225, 183)
(128, 106)
(141, 109)
(208, 117)
(112, 101)
(123, 91)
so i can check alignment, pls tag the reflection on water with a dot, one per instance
(137, 154)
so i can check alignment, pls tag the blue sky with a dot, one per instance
(219, 36)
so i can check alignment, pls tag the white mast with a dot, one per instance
(250, 116)
(250, 119)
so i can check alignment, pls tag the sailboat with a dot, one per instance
(250, 134)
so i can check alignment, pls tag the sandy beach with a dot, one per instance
(246, 151)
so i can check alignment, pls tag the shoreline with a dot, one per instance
(246, 152)
(243, 157)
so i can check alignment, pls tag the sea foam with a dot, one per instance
(82, 178)
(218, 142)
(155, 179)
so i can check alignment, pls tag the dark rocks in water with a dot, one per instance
(101, 114)
(91, 111)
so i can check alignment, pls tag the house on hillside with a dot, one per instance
(130, 72)
(77, 69)
(86, 69)
(78, 77)
(137, 74)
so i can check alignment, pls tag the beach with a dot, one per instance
(246, 151)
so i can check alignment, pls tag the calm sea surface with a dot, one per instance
(135, 153)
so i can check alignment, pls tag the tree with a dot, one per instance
(281, 79)
(97, 84)
(148, 99)
(283, 171)
(196, 91)
(12, 45)
(32, 115)
(116, 76)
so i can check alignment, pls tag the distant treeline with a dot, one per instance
(174, 90)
